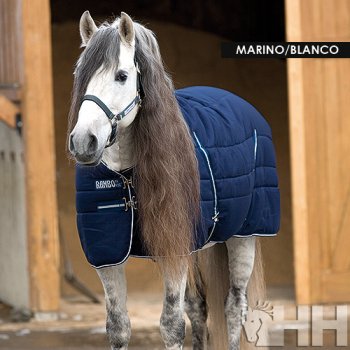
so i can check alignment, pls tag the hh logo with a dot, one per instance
(265, 324)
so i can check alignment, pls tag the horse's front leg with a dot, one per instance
(172, 322)
(118, 323)
(241, 254)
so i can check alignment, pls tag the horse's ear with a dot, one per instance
(126, 29)
(87, 28)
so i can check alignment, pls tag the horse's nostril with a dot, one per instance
(71, 144)
(92, 146)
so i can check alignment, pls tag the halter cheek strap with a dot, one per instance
(114, 118)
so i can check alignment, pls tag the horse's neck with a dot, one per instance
(119, 156)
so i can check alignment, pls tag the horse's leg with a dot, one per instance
(172, 322)
(241, 254)
(196, 309)
(118, 324)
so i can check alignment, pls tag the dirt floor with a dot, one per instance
(81, 325)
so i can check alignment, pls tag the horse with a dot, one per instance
(185, 177)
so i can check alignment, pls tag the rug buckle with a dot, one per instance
(130, 204)
(127, 182)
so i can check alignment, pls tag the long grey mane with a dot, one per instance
(166, 171)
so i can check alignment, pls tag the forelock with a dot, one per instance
(102, 51)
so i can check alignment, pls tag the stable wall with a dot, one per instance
(14, 278)
(29, 265)
(193, 58)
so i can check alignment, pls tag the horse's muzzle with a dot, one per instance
(84, 148)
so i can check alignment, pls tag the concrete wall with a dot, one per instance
(193, 58)
(14, 277)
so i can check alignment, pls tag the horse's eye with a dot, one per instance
(121, 76)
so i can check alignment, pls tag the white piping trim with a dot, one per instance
(193, 251)
(216, 213)
(132, 227)
(211, 233)
(211, 173)
(212, 243)
(255, 145)
(121, 205)
(256, 235)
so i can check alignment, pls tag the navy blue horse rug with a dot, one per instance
(239, 184)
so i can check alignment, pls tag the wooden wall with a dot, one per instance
(319, 95)
(29, 236)
(14, 279)
(11, 51)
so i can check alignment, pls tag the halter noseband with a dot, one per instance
(114, 118)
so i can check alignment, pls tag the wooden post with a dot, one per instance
(319, 94)
(299, 185)
(38, 133)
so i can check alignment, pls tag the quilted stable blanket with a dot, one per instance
(239, 184)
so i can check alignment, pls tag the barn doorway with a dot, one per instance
(189, 38)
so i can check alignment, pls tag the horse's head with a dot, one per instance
(106, 87)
